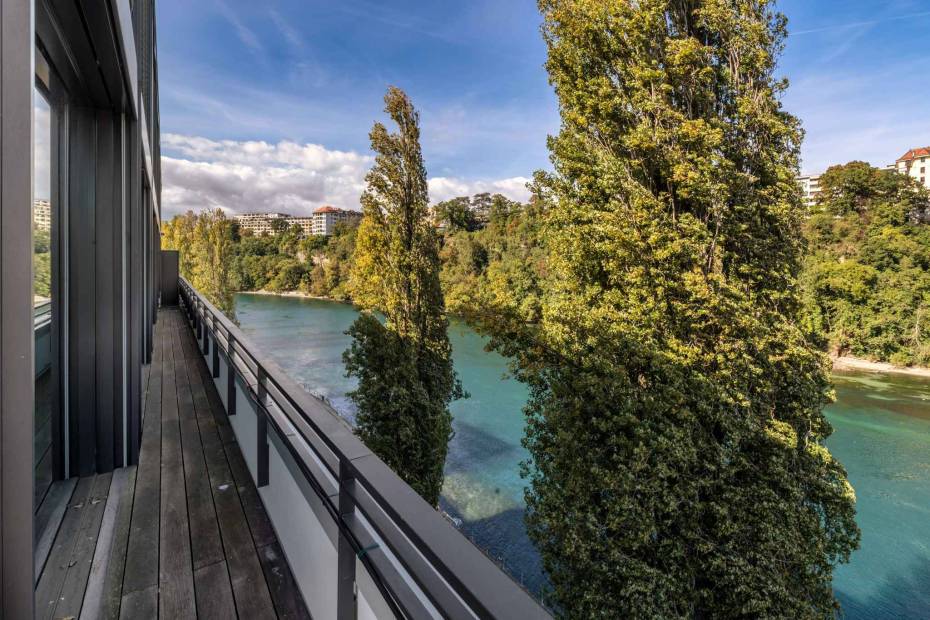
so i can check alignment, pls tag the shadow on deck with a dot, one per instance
(184, 533)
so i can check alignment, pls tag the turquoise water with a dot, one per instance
(882, 436)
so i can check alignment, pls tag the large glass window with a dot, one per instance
(42, 268)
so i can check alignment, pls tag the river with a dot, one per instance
(882, 435)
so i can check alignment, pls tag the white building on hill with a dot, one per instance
(325, 219)
(810, 188)
(914, 164)
(259, 223)
(322, 222)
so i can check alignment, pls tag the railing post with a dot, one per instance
(261, 434)
(206, 337)
(345, 585)
(216, 354)
(231, 378)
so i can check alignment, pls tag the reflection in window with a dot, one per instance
(42, 294)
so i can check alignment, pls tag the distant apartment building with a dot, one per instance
(305, 223)
(914, 164)
(810, 188)
(325, 219)
(42, 215)
(260, 223)
(322, 222)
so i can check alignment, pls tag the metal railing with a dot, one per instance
(395, 555)
(42, 314)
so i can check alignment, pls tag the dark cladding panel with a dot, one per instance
(16, 309)
(108, 281)
(169, 277)
(82, 302)
(136, 290)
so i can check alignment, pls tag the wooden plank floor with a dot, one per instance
(181, 535)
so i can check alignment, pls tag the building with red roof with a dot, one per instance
(326, 217)
(914, 164)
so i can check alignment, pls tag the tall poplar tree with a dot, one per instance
(675, 421)
(404, 366)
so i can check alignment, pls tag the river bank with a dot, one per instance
(846, 363)
(840, 363)
(298, 294)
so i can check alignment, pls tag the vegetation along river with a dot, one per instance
(882, 435)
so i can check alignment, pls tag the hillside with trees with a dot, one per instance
(220, 259)
(499, 247)
(866, 279)
(500, 252)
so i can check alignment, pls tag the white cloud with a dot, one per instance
(444, 188)
(253, 175)
(250, 175)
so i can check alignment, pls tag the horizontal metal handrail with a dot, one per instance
(42, 314)
(456, 577)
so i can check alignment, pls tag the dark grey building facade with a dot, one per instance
(79, 237)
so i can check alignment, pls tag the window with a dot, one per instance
(42, 295)
(49, 425)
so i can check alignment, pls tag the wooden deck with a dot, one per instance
(181, 535)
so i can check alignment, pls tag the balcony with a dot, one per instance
(359, 541)
(251, 499)
(183, 533)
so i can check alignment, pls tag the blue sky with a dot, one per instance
(267, 104)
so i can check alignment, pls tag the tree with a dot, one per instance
(675, 421)
(178, 234)
(213, 247)
(290, 273)
(851, 187)
(404, 366)
(205, 244)
(278, 225)
(455, 214)
(866, 281)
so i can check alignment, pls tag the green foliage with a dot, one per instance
(504, 258)
(675, 419)
(315, 243)
(278, 226)
(317, 265)
(455, 214)
(866, 281)
(471, 214)
(290, 273)
(205, 243)
(336, 261)
(42, 263)
(851, 188)
(404, 367)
